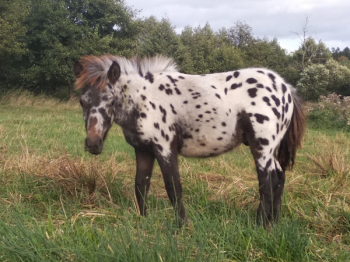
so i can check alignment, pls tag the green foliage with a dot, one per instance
(60, 31)
(310, 52)
(12, 47)
(205, 51)
(12, 15)
(40, 40)
(240, 35)
(266, 53)
(322, 79)
(200, 43)
(337, 53)
(313, 82)
(157, 37)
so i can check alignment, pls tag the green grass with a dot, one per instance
(59, 203)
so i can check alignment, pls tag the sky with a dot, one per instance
(328, 20)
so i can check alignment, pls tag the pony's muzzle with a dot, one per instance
(94, 145)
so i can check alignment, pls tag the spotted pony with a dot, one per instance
(164, 113)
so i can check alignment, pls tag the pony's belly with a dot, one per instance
(205, 147)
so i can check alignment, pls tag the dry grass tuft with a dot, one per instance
(75, 177)
(332, 163)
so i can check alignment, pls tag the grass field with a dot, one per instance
(59, 203)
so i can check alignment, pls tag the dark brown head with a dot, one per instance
(96, 77)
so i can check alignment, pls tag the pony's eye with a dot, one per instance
(112, 103)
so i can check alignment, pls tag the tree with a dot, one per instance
(200, 43)
(266, 53)
(12, 15)
(60, 31)
(342, 57)
(205, 51)
(310, 51)
(240, 35)
(12, 31)
(157, 37)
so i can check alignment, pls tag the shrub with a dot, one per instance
(319, 80)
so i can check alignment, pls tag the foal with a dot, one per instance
(164, 113)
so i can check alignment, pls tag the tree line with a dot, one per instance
(41, 39)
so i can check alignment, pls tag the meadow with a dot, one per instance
(59, 203)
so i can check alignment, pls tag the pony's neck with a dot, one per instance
(126, 102)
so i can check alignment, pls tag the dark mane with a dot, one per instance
(95, 68)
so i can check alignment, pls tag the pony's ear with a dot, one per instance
(78, 68)
(114, 73)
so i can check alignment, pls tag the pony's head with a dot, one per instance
(96, 76)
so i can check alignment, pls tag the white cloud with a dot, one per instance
(328, 21)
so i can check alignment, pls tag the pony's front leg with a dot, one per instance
(271, 184)
(144, 167)
(171, 176)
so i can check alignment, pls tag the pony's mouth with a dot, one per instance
(93, 151)
(94, 146)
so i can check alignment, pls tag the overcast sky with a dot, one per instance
(329, 20)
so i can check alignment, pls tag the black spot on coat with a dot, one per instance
(261, 118)
(152, 104)
(168, 91)
(163, 111)
(275, 111)
(177, 91)
(234, 86)
(173, 109)
(284, 88)
(251, 81)
(272, 77)
(277, 101)
(172, 80)
(149, 77)
(266, 100)
(264, 142)
(252, 92)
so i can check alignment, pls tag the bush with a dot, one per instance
(319, 80)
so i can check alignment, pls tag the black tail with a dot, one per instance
(293, 137)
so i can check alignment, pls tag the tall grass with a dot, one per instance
(58, 203)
